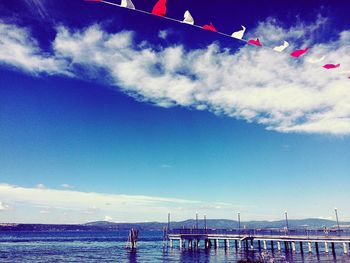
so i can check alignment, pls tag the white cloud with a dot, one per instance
(92, 210)
(165, 166)
(40, 186)
(163, 34)
(39, 9)
(67, 186)
(254, 84)
(89, 206)
(4, 207)
(108, 218)
(20, 50)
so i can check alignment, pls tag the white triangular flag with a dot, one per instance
(239, 34)
(188, 19)
(281, 48)
(127, 4)
(315, 60)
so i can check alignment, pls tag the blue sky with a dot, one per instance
(108, 114)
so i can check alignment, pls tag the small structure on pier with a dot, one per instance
(132, 238)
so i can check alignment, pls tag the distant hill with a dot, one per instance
(310, 223)
(225, 224)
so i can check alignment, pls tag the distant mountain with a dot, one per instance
(310, 223)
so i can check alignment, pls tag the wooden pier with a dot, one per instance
(293, 241)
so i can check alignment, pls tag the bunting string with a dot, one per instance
(159, 9)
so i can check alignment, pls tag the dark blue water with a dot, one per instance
(111, 247)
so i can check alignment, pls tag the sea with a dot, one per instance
(109, 246)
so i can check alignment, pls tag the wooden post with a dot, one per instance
(132, 239)
(309, 247)
(326, 247)
(286, 248)
(272, 247)
(317, 250)
(264, 244)
(301, 247)
(293, 247)
(345, 248)
(333, 248)
(278, 245)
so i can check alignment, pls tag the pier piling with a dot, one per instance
(264, 244)
(293, 247)
(309, 245)
(333, 249)
(132, 238)
(301, 247)
(326, 247)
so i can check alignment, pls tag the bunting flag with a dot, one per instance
(315, 60)
(255, 42)
(330, 66)
(188, 19)
(239, 34)
(282, 47)
(299, 52)
(210, 27)
(127, 4)
(159, 8)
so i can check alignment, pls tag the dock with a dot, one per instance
(288, 240)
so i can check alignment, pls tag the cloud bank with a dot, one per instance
(68, 206)
(252, 84)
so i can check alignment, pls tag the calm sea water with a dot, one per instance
(102, 247)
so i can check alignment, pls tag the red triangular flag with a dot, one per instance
(299, 52)
(159, 8)
(210, 27)
(329, 66)
(255, 42)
